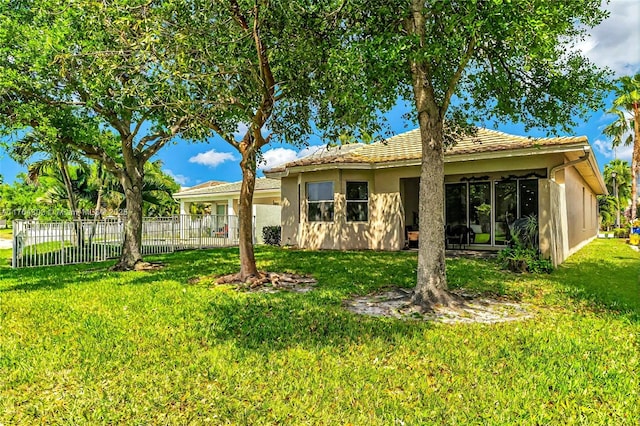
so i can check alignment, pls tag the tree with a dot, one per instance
(48, 155)
(607, 209)
(625, 130)
(106, 193)
(254, 72)
(94, 60)
(621, 185)
(20, 200)
(469, 61)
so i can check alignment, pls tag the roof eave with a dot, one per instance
(474, 156)
(219, 196)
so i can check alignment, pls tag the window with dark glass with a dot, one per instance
(506, 209)
(528, 197)
(320, 201)
(357, 201)
(456, 204)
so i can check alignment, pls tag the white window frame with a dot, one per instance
(328, 201)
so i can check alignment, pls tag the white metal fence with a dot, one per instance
(38, 243)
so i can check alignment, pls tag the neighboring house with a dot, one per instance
(366, 197)
(223, 198)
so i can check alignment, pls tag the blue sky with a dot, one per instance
(615, 44)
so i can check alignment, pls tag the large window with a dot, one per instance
(320, 201)
(357, 201)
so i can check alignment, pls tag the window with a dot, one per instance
(528, 197)
(584, 210)
(320, 201)
(357, 201)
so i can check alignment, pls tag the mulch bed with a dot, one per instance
(395, 303)
(266, 282)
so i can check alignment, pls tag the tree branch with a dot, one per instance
(453, 83)
(162, 139)
(237, 15)
(96, 153)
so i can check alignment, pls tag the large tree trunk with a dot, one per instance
(431, 285)
(131, 180)
(245, 216)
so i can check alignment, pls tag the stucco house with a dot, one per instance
(223, 197)
(366, 196)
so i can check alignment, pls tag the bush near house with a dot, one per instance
(621, 232)
(271, 235)
(84, 345)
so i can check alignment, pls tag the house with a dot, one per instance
(366, 197)
(223, 198)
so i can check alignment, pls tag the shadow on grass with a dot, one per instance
(273, 322)
(178, 266)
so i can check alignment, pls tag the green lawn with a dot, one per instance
(80, 345)
(6, 233)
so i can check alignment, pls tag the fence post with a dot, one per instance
(62, 253)
(173, 233)
(14, 243)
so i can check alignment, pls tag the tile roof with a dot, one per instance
(262, 184)
(408, 146)
(203, 185)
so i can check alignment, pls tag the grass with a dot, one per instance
(81, 345)
(6, 233)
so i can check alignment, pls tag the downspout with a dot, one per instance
(552, 179)
(585, 157)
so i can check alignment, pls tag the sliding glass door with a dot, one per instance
(506, 206)
(488, 209)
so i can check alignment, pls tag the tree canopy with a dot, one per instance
(469, 61)
(96, 60)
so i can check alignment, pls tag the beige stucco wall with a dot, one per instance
(266, 215)
(581, 210)
(383, 231)
(289, 213)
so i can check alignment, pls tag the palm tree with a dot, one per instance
(607, 209)
(53, 158)
(618, 178)
(157, 190)
(626, 128)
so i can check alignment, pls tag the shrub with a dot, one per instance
(621, 233)
(271, 235)
(520, 259)
(523, 253)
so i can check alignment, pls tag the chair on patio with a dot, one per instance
(459, 235)
(412, 236)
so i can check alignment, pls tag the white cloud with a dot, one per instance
(212, 158)
(604, 148)
(614, 43)
(181, 179)
(240, 131)
(277, 156)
